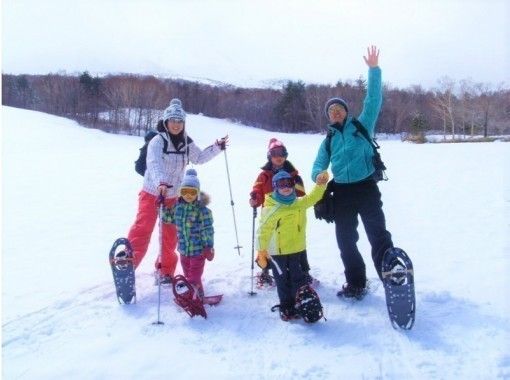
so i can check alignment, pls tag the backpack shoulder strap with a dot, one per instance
(165, 144)
(361, 129)
(328, 142)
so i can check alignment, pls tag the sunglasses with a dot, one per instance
(278, 152)
(335, 107)
(285, 183)
(190, 191)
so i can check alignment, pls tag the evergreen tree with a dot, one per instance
(290, 108)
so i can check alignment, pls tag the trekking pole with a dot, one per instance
(161, 200)
(238, 247)
(252, 293)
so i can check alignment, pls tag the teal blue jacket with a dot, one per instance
(351, 153)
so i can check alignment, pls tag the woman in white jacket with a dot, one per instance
(168, 154)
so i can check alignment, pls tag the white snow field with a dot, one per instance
(69, 192)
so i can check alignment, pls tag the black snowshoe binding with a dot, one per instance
(287, 313)
(398, 281)
(308, 304)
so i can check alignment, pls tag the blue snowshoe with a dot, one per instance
(123, 270)
(398, 281)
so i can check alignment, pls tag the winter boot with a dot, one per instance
(349, 291)
(308, 304)
(310, 280)
(287, 313)
(163, 279)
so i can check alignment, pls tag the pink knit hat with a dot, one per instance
(275, 144)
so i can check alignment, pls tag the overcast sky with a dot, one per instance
(250, 42)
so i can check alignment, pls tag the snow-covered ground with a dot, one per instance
(68, 192)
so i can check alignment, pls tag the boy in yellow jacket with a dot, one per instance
(282, 232)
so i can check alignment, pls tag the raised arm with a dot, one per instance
(373, 99)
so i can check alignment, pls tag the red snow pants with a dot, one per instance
(140, 234)
(193, 268)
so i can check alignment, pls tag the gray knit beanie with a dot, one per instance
(190, 179)
(174, 111)
(332, 101)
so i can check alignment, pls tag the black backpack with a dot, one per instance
(141, 162)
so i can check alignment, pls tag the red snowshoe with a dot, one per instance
(187, 297)
(265, 280)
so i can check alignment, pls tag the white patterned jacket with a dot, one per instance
(168, 168)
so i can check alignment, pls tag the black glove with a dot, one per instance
(222, 143)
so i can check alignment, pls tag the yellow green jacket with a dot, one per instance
(282, 228)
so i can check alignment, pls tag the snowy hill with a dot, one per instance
(68, 192)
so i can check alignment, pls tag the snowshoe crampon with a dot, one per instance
(187, 298)
(308, 304)
(123, 270)
(398, 281)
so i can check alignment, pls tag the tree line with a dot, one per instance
(132, 104)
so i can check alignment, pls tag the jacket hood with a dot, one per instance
(204, 199)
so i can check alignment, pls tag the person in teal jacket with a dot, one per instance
(355, 190)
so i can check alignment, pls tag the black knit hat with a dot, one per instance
(332, 101)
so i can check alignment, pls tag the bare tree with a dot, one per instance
(444, 102)
(486, 99)
(314, 107)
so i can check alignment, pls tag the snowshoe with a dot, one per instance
(123, 270)
(287, 314)
(265, 280)
(308, 304)
(398, 281)
(187, 297)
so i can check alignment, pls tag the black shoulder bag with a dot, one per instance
(379, 173)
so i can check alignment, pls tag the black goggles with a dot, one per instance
(285, 183)
(279, 151)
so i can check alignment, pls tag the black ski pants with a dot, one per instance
(289, 277)
(363, 199)
(304, 263)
